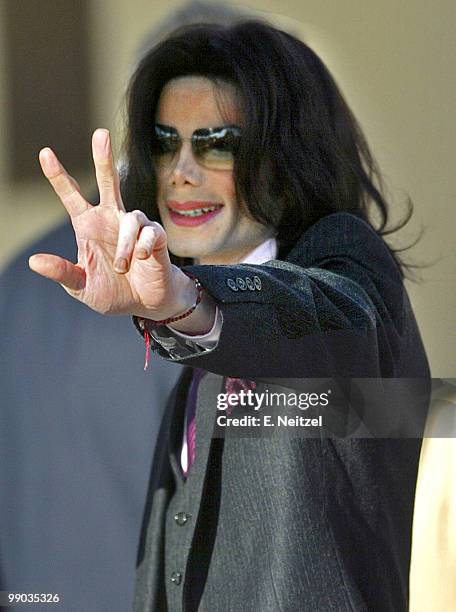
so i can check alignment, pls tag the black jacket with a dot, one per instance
(290, 523)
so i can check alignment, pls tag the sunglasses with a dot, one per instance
(214, 148)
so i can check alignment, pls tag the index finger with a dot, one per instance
(105, 170)
(64, 185)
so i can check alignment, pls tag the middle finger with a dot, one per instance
(105, 170)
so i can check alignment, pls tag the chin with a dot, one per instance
(179, 251)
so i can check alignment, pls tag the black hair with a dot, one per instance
(302, 155)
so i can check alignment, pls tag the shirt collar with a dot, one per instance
(265, 251)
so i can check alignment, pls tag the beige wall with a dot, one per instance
(395, 63)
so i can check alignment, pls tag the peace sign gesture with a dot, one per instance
(123, 265)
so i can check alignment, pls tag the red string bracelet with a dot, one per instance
(144, 324)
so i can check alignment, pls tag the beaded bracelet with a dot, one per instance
(144, 324)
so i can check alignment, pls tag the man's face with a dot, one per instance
(222, 232)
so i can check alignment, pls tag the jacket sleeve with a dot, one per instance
(332, 308)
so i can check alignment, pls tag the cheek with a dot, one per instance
(160, 178)
(223, 184)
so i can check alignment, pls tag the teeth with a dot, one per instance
(195, 212)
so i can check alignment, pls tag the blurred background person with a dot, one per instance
(75, 452)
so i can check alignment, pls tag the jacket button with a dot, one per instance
(176, 577)
(257, 282)
(240, 282)
(232, 284)
(181, 518)
(250, 284)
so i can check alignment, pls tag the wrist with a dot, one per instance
(186, 293)
(192, 310)
(200, 321)
(181, 294)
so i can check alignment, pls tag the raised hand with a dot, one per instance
(123, 264)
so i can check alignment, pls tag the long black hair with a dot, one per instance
(303, 154)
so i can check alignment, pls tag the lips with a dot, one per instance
(192, 213)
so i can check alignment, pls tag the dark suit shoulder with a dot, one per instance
(344, 235)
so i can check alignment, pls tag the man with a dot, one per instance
(258, 178)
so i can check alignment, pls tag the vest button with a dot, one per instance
(181, 518)
(176, 577)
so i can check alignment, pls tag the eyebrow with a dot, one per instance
(173, 130)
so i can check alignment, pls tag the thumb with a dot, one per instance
(58, 269)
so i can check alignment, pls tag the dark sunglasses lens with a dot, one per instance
(164, 146)
(217, 151)
(164, 150)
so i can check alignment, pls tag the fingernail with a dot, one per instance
(142, 254)
(121, 264)
(106, 141)
(101, 141)
(50, 161)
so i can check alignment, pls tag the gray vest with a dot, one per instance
(182, 511)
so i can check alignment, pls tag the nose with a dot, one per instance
(185, 169)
